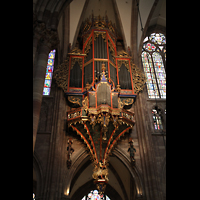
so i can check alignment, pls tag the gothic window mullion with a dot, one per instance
(155, 77)
(154, 47)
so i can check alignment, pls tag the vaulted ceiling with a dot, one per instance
(153, 12)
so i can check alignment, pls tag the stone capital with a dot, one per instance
(50, 38)
(39, 30)
(45, 36)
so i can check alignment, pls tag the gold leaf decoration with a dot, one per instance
(139, 78)
(76, 59)
(61, 75)
(74, 100)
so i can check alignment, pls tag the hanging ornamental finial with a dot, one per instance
(103, 67)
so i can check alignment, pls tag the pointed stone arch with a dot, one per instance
(82, 161)
(39, 175)
(134, 171)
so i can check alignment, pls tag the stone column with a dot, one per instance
(38, 32)
(47, 43)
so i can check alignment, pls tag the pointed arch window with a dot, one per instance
(153, 59)
(49, 73)
(157, 121)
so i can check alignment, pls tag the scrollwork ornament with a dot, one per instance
(74, 100)
(61, 75)
(139, 78)
(85, 104)
(76, 59)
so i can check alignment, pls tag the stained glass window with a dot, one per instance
(94, 195)
(160, 73)
(149, 71)
(153, 53)
(157, 120)
(49, 73)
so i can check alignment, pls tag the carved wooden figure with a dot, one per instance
(70, 150)
(132, 150)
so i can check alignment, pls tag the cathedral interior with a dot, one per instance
(99, 99)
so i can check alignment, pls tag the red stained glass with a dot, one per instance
(49, 73)
(153, 47)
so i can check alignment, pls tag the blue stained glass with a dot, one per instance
(47, 83)
(149, 71)
(160, 73)
(49, 73)
(46, 91)
(50, 61)
(158, 38)
(51, 55)
(157, 120)
(153, 64)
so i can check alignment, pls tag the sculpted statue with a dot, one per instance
(100, 172)
(132, 150)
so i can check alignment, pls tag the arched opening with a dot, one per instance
(37, 177)
(34, 182)
(94, 195)
(121, 186)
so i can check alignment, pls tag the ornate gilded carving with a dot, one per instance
(100, 171)
(103, 68)
(118, 89)
(87, 46)
(74, 100)
(61, 75)
(124, 102)
(92, 120)
(86, 26)
(103, 119)
(85, 104)
(112, 27)
(125, 62)
(76, 59)
(76, 51)
(120, 104)
(128, 101)
(97, 33)
(122, 53)
(99, 23)
(139, 78)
